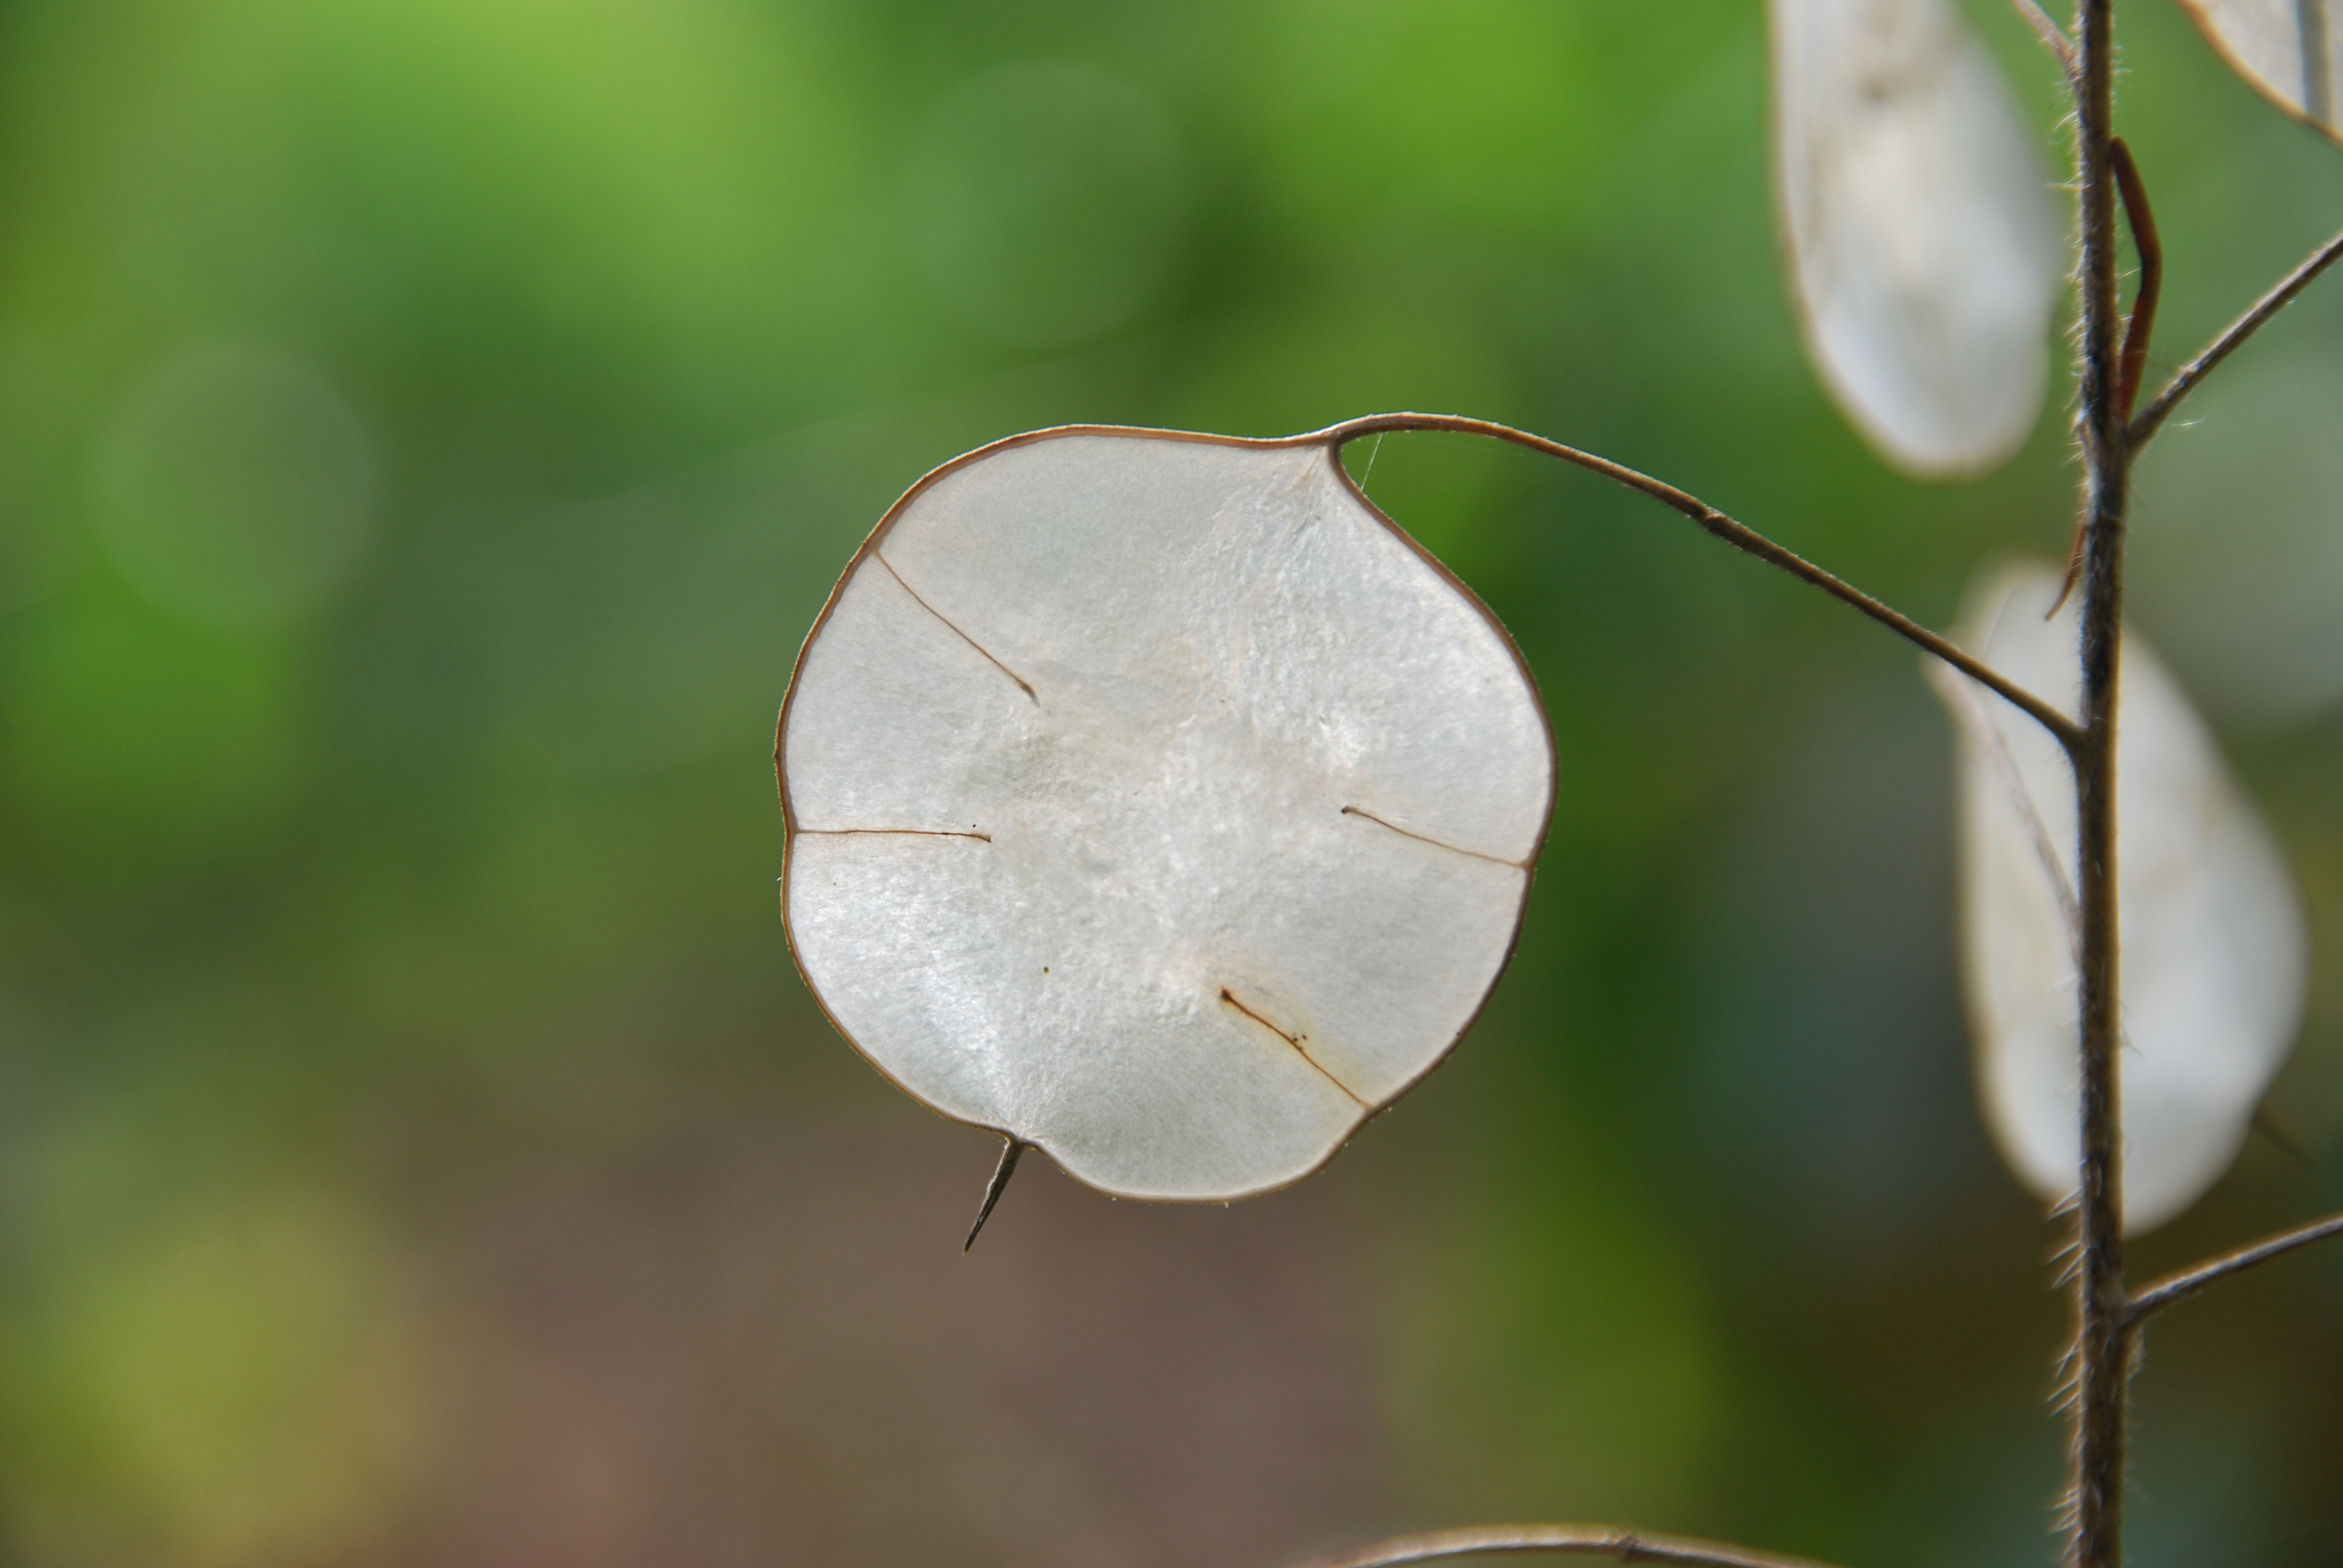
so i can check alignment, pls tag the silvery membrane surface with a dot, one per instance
(2214, 952)
(1156, 801)
(1923, 244)
(2291, 50)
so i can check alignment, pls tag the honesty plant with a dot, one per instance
(1153, 800)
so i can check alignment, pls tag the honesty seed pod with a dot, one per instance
(2214, 952)
(2288, 49)
(1154, 800)
(1923, 251)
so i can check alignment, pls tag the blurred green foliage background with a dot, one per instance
(426, 430)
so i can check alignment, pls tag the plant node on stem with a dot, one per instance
(2137, 330)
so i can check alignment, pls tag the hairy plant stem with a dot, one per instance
(2101, 1354)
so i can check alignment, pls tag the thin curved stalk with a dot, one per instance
(1559, 1540)
(2179, 1287)
(1740, 537)
(2184, 381)
(2052, 36)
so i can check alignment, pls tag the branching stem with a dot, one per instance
(2054, 37)
(2113, 354)
(2138, 328)
(1738, 535)
(1559, 1539)
(2159, 408)
(2179, 1287)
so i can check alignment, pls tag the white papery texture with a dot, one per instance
(2214, 952)
(1157, 802)
(1922, 243)
(2290, 50)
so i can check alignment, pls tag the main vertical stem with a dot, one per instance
(2101, 1349)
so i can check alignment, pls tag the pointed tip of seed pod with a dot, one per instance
(1010, 1153)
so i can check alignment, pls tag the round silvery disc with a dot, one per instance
(1154, 800)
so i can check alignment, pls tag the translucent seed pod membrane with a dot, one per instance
(2215, 951)
(1154, 800)
(1922, 242)
(2291, 50)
